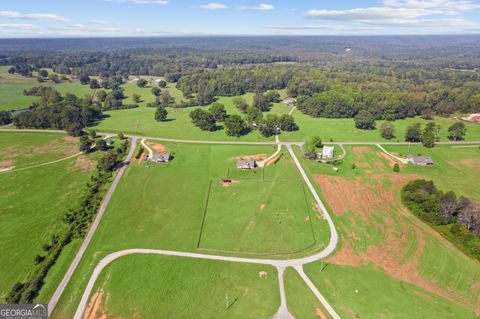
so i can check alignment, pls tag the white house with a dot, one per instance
(327, 152)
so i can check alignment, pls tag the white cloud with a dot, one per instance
(214, 6)
(264, 7)
(31, 16)
(261, 7)
(20, 26)
(100, 22)
(402, 12)
(77, 26)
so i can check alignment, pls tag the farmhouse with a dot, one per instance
(327, 152)
(161, 157)
(420, 160)
(290, 101)
(246, 164)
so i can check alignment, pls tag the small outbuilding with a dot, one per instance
(290, 101)
(328, 152)
(161, 157)
(420, 160)
(246, 164)
(109, 142)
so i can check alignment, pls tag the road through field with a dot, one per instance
(279, 264)
(68, 275)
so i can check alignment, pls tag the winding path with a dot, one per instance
(280, 265)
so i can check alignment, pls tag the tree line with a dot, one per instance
(435, 207)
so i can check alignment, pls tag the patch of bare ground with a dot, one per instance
(83, 164)
(379, 209)
(70, 139)
(255, 157)
(96, 309)
(159, 148)
(390, 160)
(320, 314)
(358, 150)
(6, 163)
(473, 163)
(453, 164)
(9, 152)
(49, 147)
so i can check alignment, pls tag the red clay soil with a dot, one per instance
(320, 314)
(159, 148)
(255, 157)
(379, 209)
(390, 160)
(69, 138)
(94, 308)
(358, 150)
(6, 163)
(472, 163)
(141, 158)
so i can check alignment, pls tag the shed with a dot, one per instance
(246, 164)
(161, 157)
(420, 160)
(109, 142)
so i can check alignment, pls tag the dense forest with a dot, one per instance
(378, 78)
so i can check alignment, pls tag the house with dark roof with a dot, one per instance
(161, 157)
(420, 160)
(246, 164)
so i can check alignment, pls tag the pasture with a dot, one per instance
(162, 206)
(385, 248)
(34, 200)
(150, 286)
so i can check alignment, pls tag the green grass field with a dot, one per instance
(175, 287)
(386, 253)
(150, 209)
(34, 200)
(249, 211)
(12, 86)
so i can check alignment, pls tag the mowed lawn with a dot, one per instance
(161, 206)
(387, 254)
(34, 200)
(153, 286)
(250, 211)
(456, 168)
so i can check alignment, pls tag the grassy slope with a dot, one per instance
(150, 206)
(422, 254)
(33, 202)
(174, 287)
(364, 292)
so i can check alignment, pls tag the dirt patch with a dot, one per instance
(83, 164)
(9, 152)
(454, 164)
(255, 157)
(141, 158)
(262, 206)
(320, 314)
(159, 148)
(6, 163)
(306, 219)
(96, 309)
(70, 139)
(473, 163)
(262, 274)
(400, 240)
(358, 150)
(229, 183)
(49, 147)
(379, 165)
(391, 161)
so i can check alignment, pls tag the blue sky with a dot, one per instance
(84, 18)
